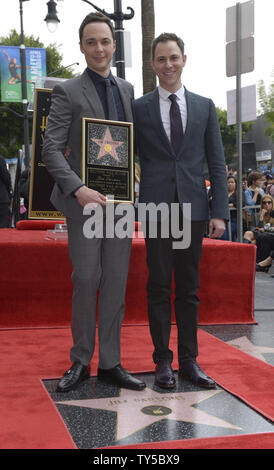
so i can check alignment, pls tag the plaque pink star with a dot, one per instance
(248, 347)
(149, 406)
(108, 146)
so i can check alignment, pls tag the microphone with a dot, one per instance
(271, 214)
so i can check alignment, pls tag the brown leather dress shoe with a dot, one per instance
(191, 371)
(164, 375)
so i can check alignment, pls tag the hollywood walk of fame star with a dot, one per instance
(244, 344)
(136, 411)
(107, 145)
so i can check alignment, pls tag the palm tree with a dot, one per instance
(148, 31)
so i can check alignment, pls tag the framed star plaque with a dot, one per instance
(107, 158)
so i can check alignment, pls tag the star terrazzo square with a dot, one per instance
(101, 415)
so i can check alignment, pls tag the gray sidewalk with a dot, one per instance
(264, 292)
(253, 338)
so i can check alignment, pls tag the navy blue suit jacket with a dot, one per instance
(162, 171)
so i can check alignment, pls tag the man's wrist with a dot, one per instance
(75, 191)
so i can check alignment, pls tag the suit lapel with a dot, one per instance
(125, 98)
(189, 104)
(153, 109)
(92, 97)
(94, 101)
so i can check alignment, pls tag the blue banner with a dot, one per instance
(11, 74)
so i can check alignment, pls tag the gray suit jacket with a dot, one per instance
(162, 171)
(72, 100)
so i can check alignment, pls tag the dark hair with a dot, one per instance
(96, 17)
(253, 176)
(231, 177)
(165, 37)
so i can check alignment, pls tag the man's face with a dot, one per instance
(98, 47)
(168, 64)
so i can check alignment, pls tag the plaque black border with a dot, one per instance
(41, 182)
(130, 168)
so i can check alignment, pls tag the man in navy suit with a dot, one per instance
(176, 131)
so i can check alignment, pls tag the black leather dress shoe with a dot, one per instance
(164, 375)
(121, 377)
(72, 377)
(190, 370)
(262, 269)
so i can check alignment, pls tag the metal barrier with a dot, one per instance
(251, 215)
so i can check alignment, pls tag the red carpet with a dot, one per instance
(36, 289)
(35, 292)
(245, 441)
(29, 419)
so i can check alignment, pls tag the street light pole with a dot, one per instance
(118, 17)
(24, 88)
(239, 119)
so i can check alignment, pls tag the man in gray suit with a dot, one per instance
(175, 132)
(98, 263)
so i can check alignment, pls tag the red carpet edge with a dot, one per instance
(244, 441)
(30, 420)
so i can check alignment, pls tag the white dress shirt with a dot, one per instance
(165, 104)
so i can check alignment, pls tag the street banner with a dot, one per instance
(11, 73)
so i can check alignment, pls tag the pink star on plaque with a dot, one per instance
(108, 145)
(149, 406)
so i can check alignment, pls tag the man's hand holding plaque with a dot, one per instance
(86, 196)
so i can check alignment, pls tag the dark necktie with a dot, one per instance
(112, 110)
(176, 126)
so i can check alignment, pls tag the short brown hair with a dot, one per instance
(165, 37)
(253, 176)
(96, 17)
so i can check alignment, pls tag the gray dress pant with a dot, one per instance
(98, 264)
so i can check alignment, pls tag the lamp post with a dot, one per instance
(51, 4)
(118, 16)
(24, 87)
(52, 18)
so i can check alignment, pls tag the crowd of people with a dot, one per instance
(262, 235)
(258, 214)
(7, 195)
